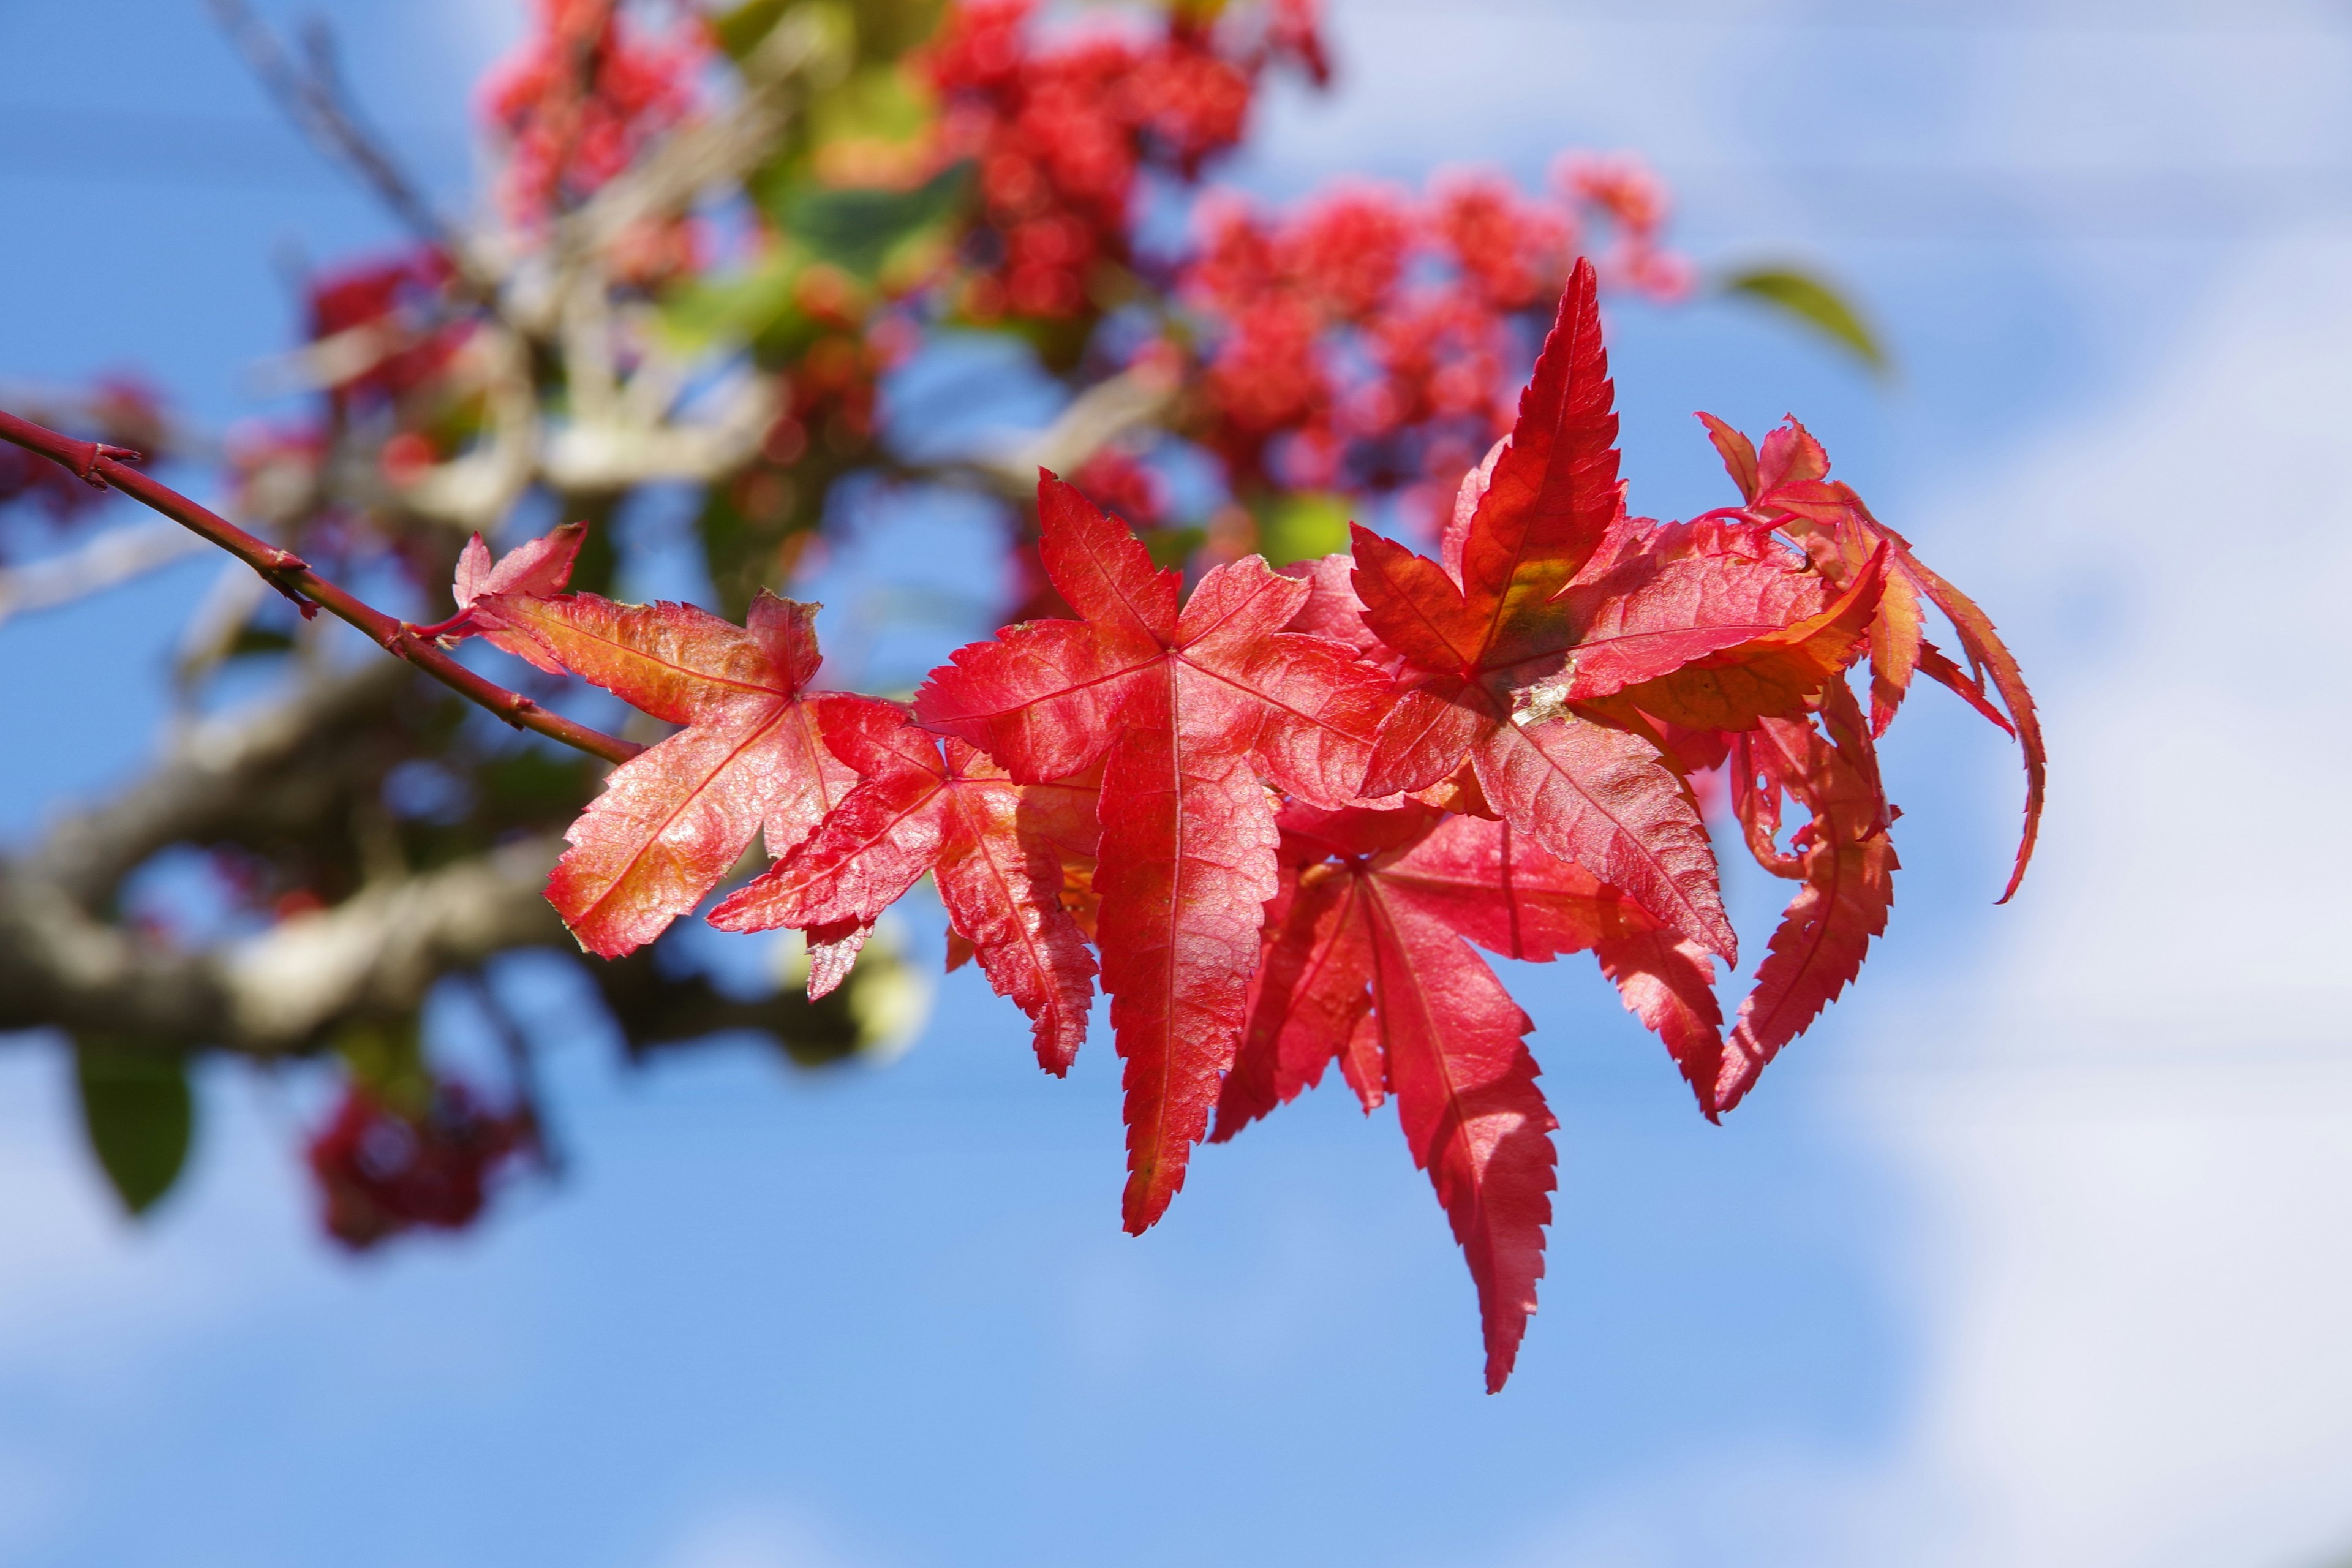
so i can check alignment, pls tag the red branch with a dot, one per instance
(101, 466)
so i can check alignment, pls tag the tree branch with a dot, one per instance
(113, 557)
(219, 776)
(377, 952)
(291, 575)
(380, 951)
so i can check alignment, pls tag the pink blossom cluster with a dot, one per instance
(1061, 133)
(1368, 340)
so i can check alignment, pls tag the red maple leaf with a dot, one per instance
(1283, 809)
(994, 849)
(1788, 487)
(1843, 856)
(1562, 623)
(539, 567)
(1192, 714)
(1365, 963)
(675, 819)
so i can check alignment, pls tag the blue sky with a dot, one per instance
(2033, 1253)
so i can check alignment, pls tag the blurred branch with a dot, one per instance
(475, 490)
(615, 453)
(724, 148)
(381, 950)
(377, 952)
(112, 558)
(218, 774)
(312, 95)
(292, 577)
(1095, 418)
(617, 435)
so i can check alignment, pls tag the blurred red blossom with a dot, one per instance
(1061, 131)
(381, 1171)
(118, 410)
(388, 323)
(581, 96)
(1367, 341)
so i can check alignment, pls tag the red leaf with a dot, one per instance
(1988, 652)
(1187, 867)
(1553, 490)
(1848, 864)
(1487, 882)
(1896, 647)
(999, 876)
(1798, 497)
(1192, 714)
(1414, 606)
(1604, 798)
(1309, 994)
(1466, 507)
(675, 819)
(962, 820)
(1780, 673)
(1738, 454)
(1425, 736)
(1939, 667)
(1332, 611)
(832, 950)
(1502, 892)
(1703, 624)
(1467, 1098)
(1364, 963)
(869, 849)
(1669, 984)
(1655, 614)
(1790, 456)
(539, 569)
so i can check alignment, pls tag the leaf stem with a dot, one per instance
(103, 467)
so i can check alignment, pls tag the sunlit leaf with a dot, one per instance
(1815, 304)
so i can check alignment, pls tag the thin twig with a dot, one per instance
(312, 96)
(101, 466)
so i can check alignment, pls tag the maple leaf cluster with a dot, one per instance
(1274, 816)
(1362, 343)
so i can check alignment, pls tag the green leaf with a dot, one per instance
(703, 312)
(740, 28)
(139, 1113)
(386, 1057)
(1812, 304)
(1173, 546)
(1302, 525)
(256, 639)
(857, 230)
(879, 102)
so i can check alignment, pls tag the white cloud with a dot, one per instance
(2126, 1126)
(756, 1536)
(2140, 1353)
